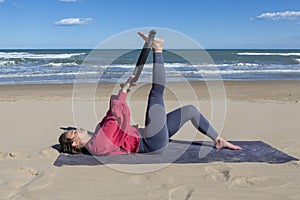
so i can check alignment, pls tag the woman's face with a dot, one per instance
(79, 137)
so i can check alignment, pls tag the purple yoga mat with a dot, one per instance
(186, 152)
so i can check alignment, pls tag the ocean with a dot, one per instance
(50, 66)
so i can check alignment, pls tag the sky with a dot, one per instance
(223, 24)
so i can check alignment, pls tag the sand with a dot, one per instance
(255, 110)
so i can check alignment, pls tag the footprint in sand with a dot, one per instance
(256, 182)
(14, 179)
(219, 173)
(43, 180)
(21, 179)
(222, 173)
(144, 180)
(14, 155)
(21, 176)
(180, 192)
(294, 164)
(48, 152)
(7, 155)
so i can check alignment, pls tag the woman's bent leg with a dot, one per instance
(180, 116)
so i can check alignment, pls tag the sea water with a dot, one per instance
(50, 66)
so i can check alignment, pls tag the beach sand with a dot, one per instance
(255, 110)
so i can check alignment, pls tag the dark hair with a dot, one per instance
(66, 145)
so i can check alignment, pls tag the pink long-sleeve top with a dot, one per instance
(114, 134)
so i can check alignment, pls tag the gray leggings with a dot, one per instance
(159, 126)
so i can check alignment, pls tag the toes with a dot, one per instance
(239, 148)
(234, 147)
(145, 37)
(222, 144)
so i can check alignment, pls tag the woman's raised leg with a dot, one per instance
(159, 126)
(155, 134)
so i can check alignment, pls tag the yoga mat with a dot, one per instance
(253, 151)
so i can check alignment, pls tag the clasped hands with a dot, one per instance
(125, 87)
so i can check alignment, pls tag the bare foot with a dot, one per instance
(157, 44)
(220, 143)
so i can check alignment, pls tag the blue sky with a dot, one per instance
(212, 23)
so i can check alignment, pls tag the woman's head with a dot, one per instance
(73, 141)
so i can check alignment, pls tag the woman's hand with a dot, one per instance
(125, 87)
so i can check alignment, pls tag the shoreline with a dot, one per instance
(281, 91)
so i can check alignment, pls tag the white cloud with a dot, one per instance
(1, 1)
(73, 21)
(289, 15)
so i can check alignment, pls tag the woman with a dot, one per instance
(115, 135)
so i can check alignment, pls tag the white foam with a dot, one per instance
(24, 55)
(298, 60)
(47, 75)
(267, 54)
(52, 64)
(247, 64)
(177, 65)
(246, 71)
(7, 62)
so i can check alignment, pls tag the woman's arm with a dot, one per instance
(120, 98)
